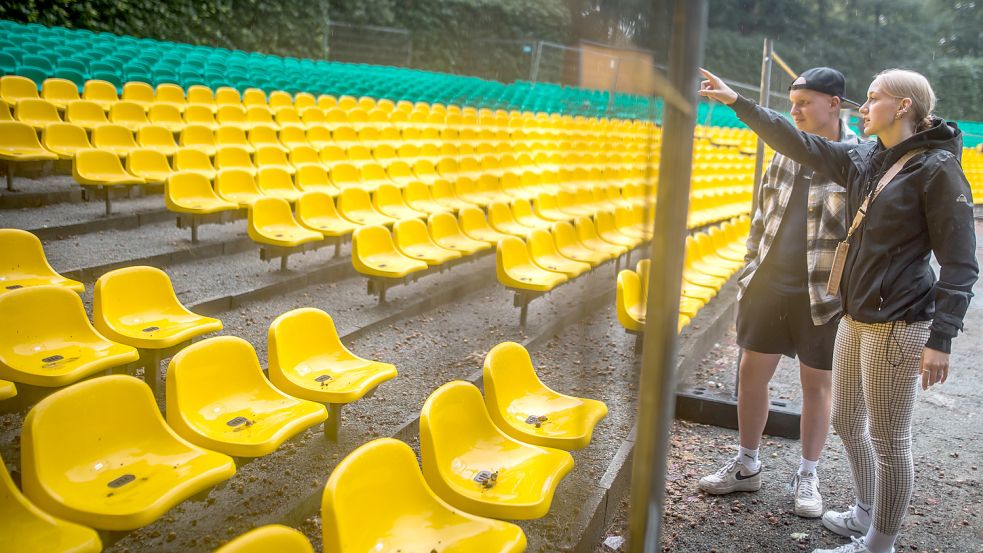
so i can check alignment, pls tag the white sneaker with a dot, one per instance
(733, 477)
(845, 523)
(856, 545)
(808, 500)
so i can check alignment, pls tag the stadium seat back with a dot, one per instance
(137, 306)
(527, 410)
(107, 433)
(308, 360)
(272, 537)
(218, 398)
(14, 88)
(65, 139)
(27, 528)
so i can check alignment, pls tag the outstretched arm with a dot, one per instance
(825, 156)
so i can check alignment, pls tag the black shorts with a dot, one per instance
(768, 322)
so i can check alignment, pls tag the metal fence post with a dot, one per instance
(657, 381)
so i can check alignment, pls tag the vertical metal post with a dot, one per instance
(616, 65)
(536, 59)
(657, 381)
(764, 99)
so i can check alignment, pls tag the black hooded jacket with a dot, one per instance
(928, 207)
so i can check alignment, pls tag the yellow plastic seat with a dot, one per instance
(171, 95)
(101, 168)
(316, 211)
(382, 477)
(19, 142)
(301, 156)
(419, 197)
(237, 186)
(515, 269)
(695, 262)
(139, 93)
(86, 114)
(254, 97)
(102, 93)
(227, 96)
(413, 240)
(54, 344)
(543, 252)
(269, 538)
(114, 138)
(218, 399)
(628, 301)
(443, 193)
(200, 138)
(234, 158)
(529, 411)
(388, 201)
(375, 254)
(308, 360)
(609, 232)
(711, 257)
(201, 116)
(129, 115)
(36, 113)
(475, 225)
(587, 233)
(523, 213)
(137, 306)
(271, 222)
(24, 264)
(447, 234)
(14, 88)
(265, 137)
(65, 139)
(314, 178)
(293, 137)
(274, 157)
(7, 390)
(158, 138)
(167, 116)
(192, 159)
(476, 467)
(276, 183)
(149, 164)
(99, 453)
(260, 116)
(355, 205)
(500, 218)
(570, 246)
(28, 529)
(200, 95)
(192, 193)
(231, 116)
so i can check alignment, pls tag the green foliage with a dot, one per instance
(958, 84)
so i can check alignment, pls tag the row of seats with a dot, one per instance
(497, 456)
(77, 54)
(710, 259)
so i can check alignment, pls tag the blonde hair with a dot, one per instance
(903, 83)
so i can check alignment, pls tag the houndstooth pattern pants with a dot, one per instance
(875, 377)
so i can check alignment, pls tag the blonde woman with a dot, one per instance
(899, 320)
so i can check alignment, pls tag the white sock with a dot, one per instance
(748, 458)
(806, 466)
(880, 543)
(862, 511)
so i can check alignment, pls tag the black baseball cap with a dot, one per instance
(825, 80)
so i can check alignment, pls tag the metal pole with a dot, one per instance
(765, 100)
(616, 65)
(657, 381)
(536, 58)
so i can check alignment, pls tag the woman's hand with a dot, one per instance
(935, 367)
(716, 89)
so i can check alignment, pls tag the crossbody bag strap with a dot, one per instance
(885, 180)
(839, 258)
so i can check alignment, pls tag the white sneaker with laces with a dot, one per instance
(733, 477)
(845, 523)
(856, 545)
(808, 500)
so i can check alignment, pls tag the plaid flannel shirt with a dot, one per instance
(825, 227)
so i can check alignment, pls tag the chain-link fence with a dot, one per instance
(369, 44)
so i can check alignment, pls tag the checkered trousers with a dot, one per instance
(875, 377)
